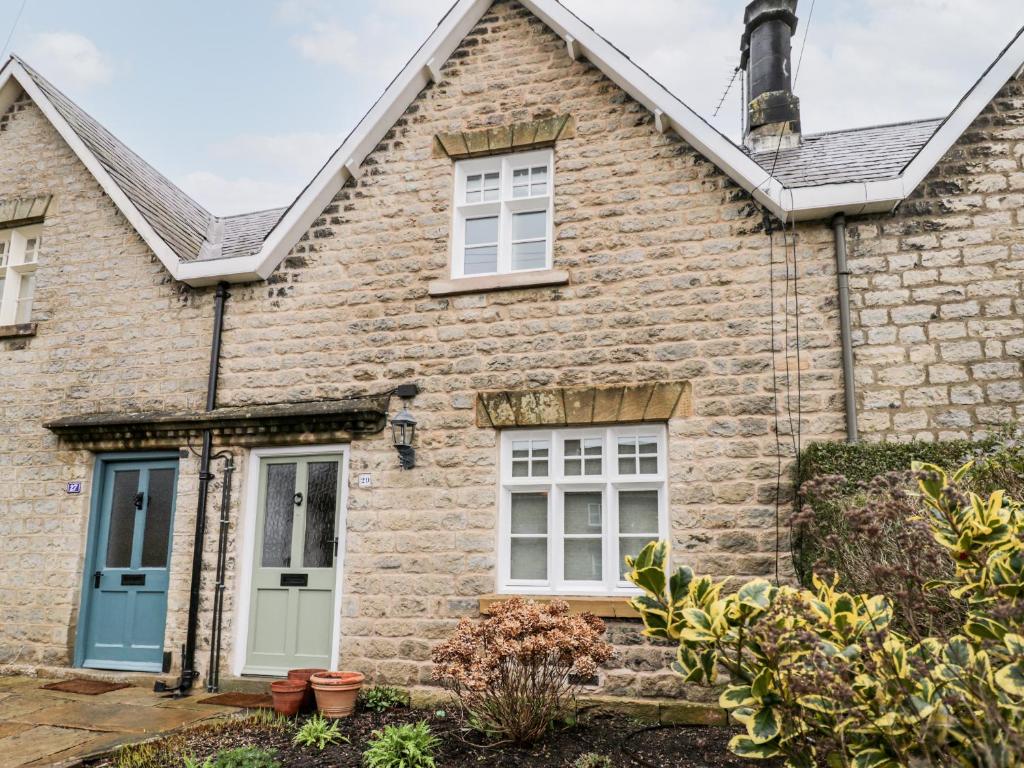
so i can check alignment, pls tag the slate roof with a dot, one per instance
(178, 219)
(859, 154)
(245, 233)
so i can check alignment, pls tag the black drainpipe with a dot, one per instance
(188, 659)
(845, 336)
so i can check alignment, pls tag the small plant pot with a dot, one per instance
(303, 675)
(288, 696)
(336, 692)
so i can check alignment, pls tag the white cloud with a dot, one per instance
(371, 44)
(69, 58)
(225, 196)
(328, 42)
(276, 169)
(299, 154)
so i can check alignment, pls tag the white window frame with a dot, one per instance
(504, 208)
(14, 269)
(610, 482)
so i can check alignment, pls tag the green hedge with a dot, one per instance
(859, 463)
(863, 461)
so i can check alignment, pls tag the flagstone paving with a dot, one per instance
(54, 728)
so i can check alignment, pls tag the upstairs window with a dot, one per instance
(575, 502)
(503, 214)
(19, 255)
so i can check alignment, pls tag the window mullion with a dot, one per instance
(556, 539)
(611, 543)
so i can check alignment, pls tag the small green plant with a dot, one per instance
(150, 754)
(381, 698)
(191, 762)
(239, 757)
(319, 732)
(402, 746)
(267, 719)
(593, 760)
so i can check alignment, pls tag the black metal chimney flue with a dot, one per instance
(773, 112)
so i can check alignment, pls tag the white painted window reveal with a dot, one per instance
(575, 502)
(19, 255)
(503, 214)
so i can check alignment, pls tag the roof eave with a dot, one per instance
(14, 72)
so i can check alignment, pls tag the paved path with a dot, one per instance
(46, 728)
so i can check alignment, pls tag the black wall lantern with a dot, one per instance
(403, 427)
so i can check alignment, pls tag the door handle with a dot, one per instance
(298, 499)
(334, 541)
(140, 497)
(96, 578)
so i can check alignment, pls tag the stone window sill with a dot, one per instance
(537, 279)
(18, 331)
(603, 607)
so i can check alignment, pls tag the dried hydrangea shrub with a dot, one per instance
(511, 671)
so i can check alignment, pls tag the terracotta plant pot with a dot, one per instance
(303, 675)
(288, 696)
(336, 692)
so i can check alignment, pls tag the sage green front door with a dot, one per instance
(291, 613)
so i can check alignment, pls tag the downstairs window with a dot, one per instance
(574, 503)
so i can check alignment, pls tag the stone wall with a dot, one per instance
(669, 268)
(936, 291)
(669, 281)
(115, 333)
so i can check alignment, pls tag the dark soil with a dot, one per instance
(628, 743)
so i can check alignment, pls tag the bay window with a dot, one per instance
(503, 214)
(575, 502)
(19, 254)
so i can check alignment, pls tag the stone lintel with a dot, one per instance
(500, 139)
(23, 210)
(18, 331)
(583, 406)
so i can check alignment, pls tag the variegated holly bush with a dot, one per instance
(819, 676)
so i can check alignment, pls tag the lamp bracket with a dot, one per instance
(407, 391)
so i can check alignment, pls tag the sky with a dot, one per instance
(239, 102)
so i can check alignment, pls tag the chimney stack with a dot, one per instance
(773, 112)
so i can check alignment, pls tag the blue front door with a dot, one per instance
(125, 603)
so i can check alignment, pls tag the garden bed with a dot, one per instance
(627, 743)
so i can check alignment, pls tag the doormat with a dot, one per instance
(244, 700)
(85, 687)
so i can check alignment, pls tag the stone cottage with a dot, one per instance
(608, 322)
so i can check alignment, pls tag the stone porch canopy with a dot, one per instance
(310, 423)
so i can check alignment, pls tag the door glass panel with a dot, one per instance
(122, 519)
(157, 532)
(321, 504)
(280, 511)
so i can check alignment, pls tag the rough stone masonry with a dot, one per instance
(672, 278)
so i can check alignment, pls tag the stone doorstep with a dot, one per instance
(664, 711)
(27, 674)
